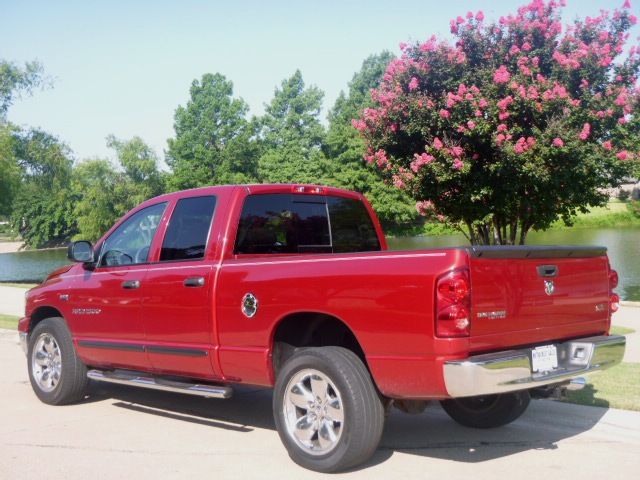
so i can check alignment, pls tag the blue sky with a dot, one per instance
(123, 67)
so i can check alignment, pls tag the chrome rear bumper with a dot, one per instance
(511, 370)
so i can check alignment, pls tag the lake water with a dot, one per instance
(623, 248)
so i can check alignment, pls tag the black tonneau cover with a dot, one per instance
(536, 251)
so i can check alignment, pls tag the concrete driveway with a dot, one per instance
(12, 300)
(120, 432)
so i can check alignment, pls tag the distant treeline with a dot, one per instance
(50, 198)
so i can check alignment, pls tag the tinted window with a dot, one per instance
(351, 227)
(188, 229)
(129, 243)
(283, 223)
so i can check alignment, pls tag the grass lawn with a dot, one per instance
(617, 387)
(9, 321)
(18, 285)
(615, 214)
(616, 330)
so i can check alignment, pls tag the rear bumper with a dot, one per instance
(511, 370)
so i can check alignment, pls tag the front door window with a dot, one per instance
(129, 244)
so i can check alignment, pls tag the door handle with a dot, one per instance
(194, 282)
(131, 284)
(548, 270)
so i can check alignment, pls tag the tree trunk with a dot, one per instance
(498, 232)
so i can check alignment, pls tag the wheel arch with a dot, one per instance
(42, 313)
(310, 329)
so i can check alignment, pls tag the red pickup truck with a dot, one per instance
(292, 286)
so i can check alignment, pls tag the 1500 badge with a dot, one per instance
(86, 311)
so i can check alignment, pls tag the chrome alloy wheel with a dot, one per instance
(313, 412)
(46, 362)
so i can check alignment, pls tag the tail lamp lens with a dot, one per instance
(453, 305)
(614, 301)
(613, 279)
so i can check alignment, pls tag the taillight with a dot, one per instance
(614, 298)
(453, 305)
(614, 301)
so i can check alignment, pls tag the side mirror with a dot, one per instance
(81, 251)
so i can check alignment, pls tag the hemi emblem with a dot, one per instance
(549, 287)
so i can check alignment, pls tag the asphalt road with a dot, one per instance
(120, 432)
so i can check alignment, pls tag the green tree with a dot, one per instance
(140, 165)
(42, 211)
(345, 148)
(15, 80)
(292, 135)
(9, 169)
(105, 193)
(214, 141)
(515, 126)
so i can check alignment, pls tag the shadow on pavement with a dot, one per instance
(431, 434)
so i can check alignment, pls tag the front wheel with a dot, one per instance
(487, 411)
(56, 373)
(326, 409)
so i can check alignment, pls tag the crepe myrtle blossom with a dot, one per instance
(521, 93)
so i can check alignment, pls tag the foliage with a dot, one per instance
(42, 211)
(291, 135)
(344, 147)
(105, 194)
(10, 177)
(516, 125)
(634, 208)
(213, 142)
(15, 80)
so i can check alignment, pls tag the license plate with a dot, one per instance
(544, 359)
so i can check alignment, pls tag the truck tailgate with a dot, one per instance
(526, 295)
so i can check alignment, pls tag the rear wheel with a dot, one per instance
(327, 411)
(56, 373)
(487, 411)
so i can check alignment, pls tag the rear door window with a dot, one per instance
(291, 223)
(352, 229)
(283, 223)
(188, 230)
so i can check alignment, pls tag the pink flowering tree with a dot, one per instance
(520, 123)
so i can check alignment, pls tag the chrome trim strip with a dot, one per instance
(139, 380)
(511, 370)
(23, 341)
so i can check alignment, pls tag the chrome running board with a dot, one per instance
(153, 383)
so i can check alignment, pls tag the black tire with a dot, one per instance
(361, 407)
(72, 381)
(487, 411)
